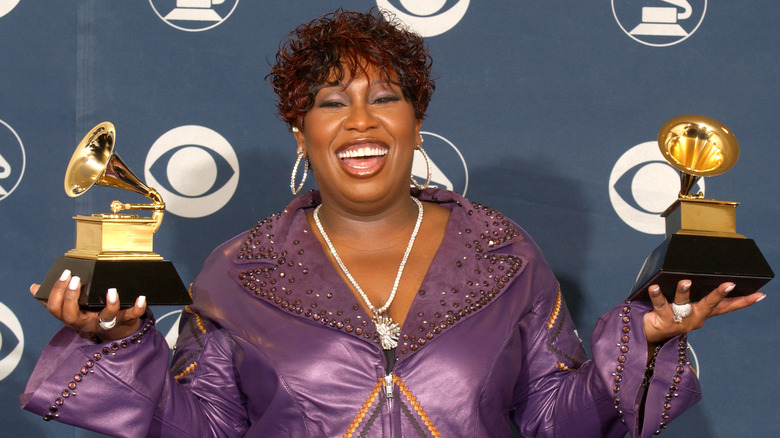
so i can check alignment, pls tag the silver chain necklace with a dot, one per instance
(387, 329)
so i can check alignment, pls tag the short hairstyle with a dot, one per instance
(343, 44)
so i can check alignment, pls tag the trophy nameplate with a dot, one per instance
(702, 244)
(114, 250)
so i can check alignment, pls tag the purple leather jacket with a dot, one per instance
(276, 345)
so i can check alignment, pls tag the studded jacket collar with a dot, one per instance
(282, 263)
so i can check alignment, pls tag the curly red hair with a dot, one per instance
(343, 44)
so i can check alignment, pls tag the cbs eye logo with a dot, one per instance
(9, 360)
(168, 326)
(12, 160)
(7, 5)
(427, 18)
(195, 170)
(642, 185)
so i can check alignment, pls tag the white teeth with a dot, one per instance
(363, 152)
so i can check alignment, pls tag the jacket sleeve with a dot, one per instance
(125, 388)
(645, 402)
(563, 394)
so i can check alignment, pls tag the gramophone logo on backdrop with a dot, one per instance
(193, 15)
(11, 348)
(642, 185)
(659, 23)
(7, 5)
(427, 17)
(12, 160)
(194, 169)
(448, 167)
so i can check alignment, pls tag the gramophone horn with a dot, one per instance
(697, 146)
(95, 162)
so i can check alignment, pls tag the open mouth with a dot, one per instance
(362, 160)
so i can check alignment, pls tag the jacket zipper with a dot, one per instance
(389, 390)
(389, 363)
(389, 397)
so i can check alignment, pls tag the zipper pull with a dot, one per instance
(389, 386)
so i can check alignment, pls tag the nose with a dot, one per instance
(360, 117)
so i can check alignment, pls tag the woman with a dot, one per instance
(364, 310)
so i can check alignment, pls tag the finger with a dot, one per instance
(736, 303)
(112, 306)
(683, 293)
(127, 320)
(657, 321)
(658, 299)
(712, 299)
(71, 313)
(54, 303)
(137, 310)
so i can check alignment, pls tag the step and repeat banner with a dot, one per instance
(547, 111)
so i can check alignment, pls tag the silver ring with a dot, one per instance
(681, 311)
(107, 325)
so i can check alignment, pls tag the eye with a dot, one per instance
(642, 185)
(331, 104)
(387, 99)
(195, 170)
(191, 171)
(11, 341)
(650, 187)
(168, 326)
(419, 8)
(428, 17)
(645, 177)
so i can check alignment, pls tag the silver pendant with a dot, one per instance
(387, 330)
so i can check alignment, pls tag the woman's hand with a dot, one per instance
(660, 323)
(63, 304)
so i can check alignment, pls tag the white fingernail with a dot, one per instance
(686, 286)
(730, 288)
(65, 275)
(761, 298)
(74, 282)
(141, 301)
(111, 295)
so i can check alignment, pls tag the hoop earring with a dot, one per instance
(295, 190)
(427, 168)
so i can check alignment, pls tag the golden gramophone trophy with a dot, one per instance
(114, 250)
(701, 244)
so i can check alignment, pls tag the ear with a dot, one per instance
(299, 139)
(417, 128)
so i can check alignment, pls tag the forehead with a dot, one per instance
(350, 71)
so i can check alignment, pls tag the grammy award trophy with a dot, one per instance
(114, 250)
(701, 244)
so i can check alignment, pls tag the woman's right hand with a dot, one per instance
(63, 304)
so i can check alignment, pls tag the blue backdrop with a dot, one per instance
(547, 111)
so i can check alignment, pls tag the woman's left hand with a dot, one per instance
(660, 324)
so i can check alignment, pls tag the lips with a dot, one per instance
(362, 159)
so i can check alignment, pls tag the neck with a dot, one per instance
(374, 230)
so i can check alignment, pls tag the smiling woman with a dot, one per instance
(369, 308)
(346, 121)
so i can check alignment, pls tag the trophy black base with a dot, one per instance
(705, 260)
(156, 279)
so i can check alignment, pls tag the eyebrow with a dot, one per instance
(382, 82)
